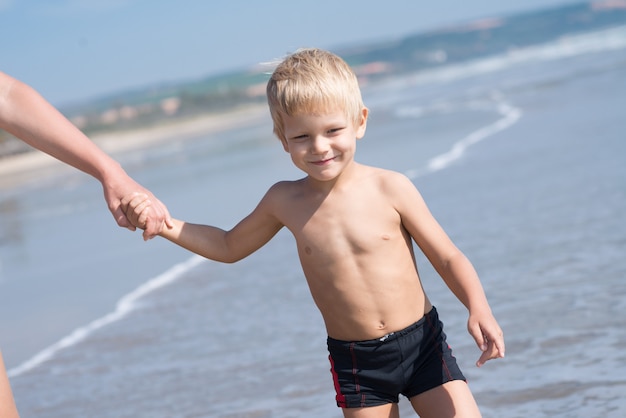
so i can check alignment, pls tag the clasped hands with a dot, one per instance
(146, 213)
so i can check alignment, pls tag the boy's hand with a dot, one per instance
(488, 336)
(137, 207)
(121, 187)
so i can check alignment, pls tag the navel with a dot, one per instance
(386, 237)
(308, 250)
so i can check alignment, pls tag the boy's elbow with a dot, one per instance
(230, 260)
(453, 260)
(232, 250)
(226, 256)
(235, 257)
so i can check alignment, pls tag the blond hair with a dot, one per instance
(313, 81)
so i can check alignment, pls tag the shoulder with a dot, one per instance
(388, 180)
(285, 187)
(283, 191)
(396, 188)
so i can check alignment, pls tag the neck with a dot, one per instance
(326, 186)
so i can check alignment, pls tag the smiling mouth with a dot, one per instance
(323, 162)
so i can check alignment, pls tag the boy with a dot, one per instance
(354, 227)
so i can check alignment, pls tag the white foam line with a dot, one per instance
(569, 46)
(124, 306)
(510, 115)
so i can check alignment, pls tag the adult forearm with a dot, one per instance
(27, 115)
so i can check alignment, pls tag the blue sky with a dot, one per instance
(72, 50)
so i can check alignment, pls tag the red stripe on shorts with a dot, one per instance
(341, 400)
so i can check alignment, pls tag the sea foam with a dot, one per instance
(509, 116)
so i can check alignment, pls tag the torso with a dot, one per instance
(356, 255)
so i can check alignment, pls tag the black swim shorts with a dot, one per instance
(408, 362)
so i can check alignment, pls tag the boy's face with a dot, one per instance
(322, 145)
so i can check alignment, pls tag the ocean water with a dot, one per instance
(521, 157)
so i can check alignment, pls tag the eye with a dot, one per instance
(335, 130)
(299, 137)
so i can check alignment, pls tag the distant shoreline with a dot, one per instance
(29, 166)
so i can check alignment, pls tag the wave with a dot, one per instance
(567, 46)
(124, 306)
(510, 115)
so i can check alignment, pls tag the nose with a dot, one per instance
(320, 144)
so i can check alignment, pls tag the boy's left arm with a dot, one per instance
(462, 279)
(452, 265)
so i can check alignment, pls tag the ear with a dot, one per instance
(360, 129)
(285, 144)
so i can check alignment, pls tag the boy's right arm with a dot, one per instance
(212, 242)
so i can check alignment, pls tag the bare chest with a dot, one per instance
(344, 227)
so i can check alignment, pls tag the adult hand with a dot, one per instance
(115, 190)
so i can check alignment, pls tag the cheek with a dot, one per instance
(296, 148)
(349, 144)
(298, 159)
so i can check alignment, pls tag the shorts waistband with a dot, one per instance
(390, 336)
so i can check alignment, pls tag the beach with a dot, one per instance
(519, 156)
